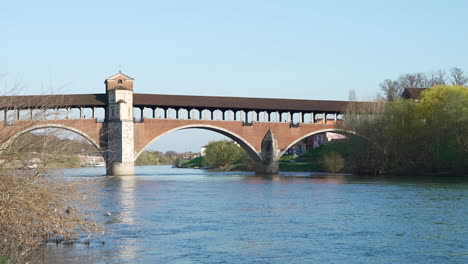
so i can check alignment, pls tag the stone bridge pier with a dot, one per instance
(269, 155)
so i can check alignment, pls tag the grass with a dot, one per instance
(196, 162)
(312, 161)
(3, 260)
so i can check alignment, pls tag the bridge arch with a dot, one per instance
(235, 137)
(15, 136)
(335, 130)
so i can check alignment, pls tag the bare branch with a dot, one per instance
(458, 77)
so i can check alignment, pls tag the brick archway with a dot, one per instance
(246, 145)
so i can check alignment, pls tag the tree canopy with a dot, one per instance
(425, 136)
(220, 154)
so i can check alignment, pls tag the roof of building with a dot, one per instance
(412, 93)
(175, 101)
(119, 74)
(52, 101)
(233, 103)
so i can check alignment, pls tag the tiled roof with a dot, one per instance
(175, 101)
(51, 101)
(412, 93)
(216, 102)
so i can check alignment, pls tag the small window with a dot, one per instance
(119, 81)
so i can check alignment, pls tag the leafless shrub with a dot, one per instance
(37, 205)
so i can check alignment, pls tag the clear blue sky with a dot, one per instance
(282, 49)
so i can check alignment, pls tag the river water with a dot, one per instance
(168, 215)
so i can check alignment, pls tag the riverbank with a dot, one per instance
(326, 158)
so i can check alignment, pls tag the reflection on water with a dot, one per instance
(166, 215)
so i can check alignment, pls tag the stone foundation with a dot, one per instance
(267, 168)
(121, 169)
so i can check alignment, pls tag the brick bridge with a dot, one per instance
(121, 124)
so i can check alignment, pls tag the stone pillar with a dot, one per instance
(120, 126)
(300, 117)
(324, 118)
(269, 163)
(312, 117)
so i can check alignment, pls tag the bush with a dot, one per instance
(333, 162)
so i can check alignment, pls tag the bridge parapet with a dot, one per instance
(245, 116)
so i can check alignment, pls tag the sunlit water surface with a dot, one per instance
(167, 215)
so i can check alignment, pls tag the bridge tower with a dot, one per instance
(120, 127)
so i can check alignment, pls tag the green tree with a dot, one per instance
(221, 154)
(147, 158)
(445, 111)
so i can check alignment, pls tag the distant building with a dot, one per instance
(203, 151)
(90, 160)
(412, 93)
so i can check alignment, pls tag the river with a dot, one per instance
(168, 215)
